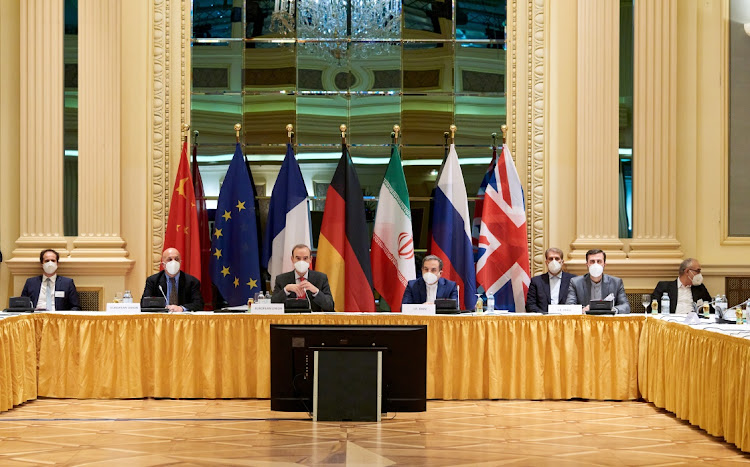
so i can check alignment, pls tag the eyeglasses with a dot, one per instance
(697, 271)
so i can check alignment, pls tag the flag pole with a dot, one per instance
(186, 131)
(494, 140)
(237, 128)
(453, 134)
(342, 127)
(504, 129)
(394, 135)
(290, 132)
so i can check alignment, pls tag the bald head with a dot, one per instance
(170, 254)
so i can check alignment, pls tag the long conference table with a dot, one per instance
(700, 375)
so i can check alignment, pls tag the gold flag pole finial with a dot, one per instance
(342, 128)
(396, 131)
(504, 129)
(290, 132)
(237, 128)
(185, 130)
(453, 134)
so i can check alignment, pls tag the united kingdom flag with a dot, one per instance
(503, 259)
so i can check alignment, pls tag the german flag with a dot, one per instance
(343, 246)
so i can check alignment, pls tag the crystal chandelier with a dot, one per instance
(329, 25)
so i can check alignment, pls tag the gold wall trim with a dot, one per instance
(537, 218)
(160, 131)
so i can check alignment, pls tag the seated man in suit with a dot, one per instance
(686, 290)
(595, 285)
(550, 288)
(182, 291)
(50, 291)
(430, 286)
(303, 281)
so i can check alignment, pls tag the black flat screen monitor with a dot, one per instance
(404, 371)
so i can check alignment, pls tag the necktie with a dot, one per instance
(301, 295)
(172, 291)
(50, 305)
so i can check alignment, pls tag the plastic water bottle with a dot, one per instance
(490, 303)
(665, 304)
(127, 297)
(719, 306)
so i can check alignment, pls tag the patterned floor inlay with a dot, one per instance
(451, 433)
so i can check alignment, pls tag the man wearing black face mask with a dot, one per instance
(687, 290)
(49, 291)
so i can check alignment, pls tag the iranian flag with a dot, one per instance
(392, 249)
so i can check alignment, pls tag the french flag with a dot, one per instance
(451, 230)
(288, 218)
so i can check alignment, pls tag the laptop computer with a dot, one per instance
(19, 305)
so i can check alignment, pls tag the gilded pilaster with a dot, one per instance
(99, 203)
(597, 129)
(654, 132)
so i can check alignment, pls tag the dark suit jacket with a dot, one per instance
(579, 292)
(670, 287)
(321, 302)
(539, 296)
(188, 290)
(62, 284)
(416, 290)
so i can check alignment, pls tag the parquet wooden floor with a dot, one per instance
(451, 433)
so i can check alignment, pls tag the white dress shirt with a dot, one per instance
(42, 303)
(684, 298)
(431, 291)
(554, 287)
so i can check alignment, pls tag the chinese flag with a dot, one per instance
(182, 228)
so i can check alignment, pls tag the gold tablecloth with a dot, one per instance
(227, 356)
(18, 359)
(701, 376)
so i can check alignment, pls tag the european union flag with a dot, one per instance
(234, 244)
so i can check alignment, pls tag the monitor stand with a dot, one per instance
(347, 384)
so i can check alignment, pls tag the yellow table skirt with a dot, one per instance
(701, 376)
(18, 359)
(227, 356)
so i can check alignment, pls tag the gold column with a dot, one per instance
(40, 135)
(654, 132)
(597, 143)
(99, 116)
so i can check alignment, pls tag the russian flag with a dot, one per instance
(451, 230)
(288, 218)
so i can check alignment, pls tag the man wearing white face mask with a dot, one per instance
(50, 291)
(303, 282)
(550, 288)
(430, 286)
(686, 290)
(595, 285)
(181, 290)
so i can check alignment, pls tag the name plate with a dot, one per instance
(565, 309)
(134, 307)
(267, 308)
(418, 309)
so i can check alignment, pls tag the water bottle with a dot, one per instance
(267, 299)
(665, 304)
(127, 297)
(719, 306)
(490, 303)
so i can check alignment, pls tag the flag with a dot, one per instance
(182, 225)
(234, 251)
(451, 234)
(205, 233)
(343, 249)
(476, 221)
(392, 252)
(503, 265)
(288, 218)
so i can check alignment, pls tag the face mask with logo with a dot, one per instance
(554, 266)
(697, 279)
(50, 267)
(596, 270)
(172, 267)
(302, 267)
(429, 278)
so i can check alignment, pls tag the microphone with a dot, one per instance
(458, 302)
(166, 301)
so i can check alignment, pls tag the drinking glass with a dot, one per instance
(646, 301)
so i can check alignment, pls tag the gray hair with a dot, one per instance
(685, 265)
(433, 258)
(553, 250)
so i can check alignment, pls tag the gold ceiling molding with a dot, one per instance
(160, 127)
